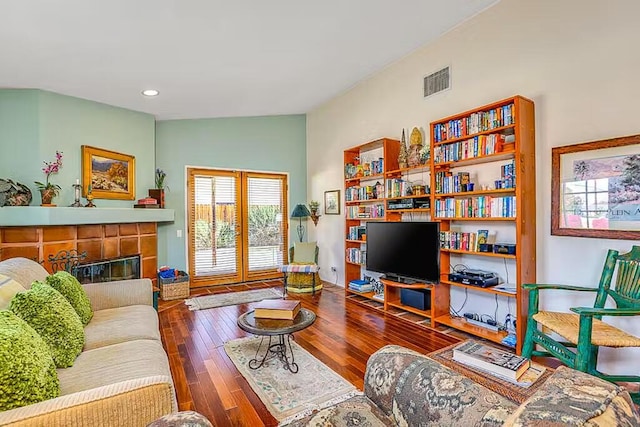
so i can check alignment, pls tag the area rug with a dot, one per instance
(232, 298)
(285, 394)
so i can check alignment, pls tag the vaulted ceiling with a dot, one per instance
(214, 58)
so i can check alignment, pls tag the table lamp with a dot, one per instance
(300, 211)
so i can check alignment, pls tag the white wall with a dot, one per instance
(576, 59)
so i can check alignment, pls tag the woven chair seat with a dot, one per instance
(567, 325)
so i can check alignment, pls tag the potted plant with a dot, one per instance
(48, 190)
(158, 192)
(313, 208)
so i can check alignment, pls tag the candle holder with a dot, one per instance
(77, 190)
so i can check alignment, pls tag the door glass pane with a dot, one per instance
(216, 217)
(265, 210)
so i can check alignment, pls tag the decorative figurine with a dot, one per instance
(402, 156)
(89, 198)
(415, 147)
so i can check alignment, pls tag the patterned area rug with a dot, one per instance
(232, 298)
(284, 393)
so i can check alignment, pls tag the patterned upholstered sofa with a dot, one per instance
(122, 376)
(405, 388)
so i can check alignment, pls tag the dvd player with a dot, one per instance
(401, 204)
(482, 279)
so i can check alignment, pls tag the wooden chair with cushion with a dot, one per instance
(584, 329)
(301, 275)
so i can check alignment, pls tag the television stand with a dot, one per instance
(392, 298)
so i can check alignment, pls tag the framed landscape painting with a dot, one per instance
(111, 175)
(596, 189)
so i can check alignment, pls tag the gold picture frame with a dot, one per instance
(595, 189)
(110, 174)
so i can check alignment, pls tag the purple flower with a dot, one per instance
(51, 167)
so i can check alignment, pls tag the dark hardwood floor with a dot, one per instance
(343, 337)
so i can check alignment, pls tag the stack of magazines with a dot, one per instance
(360, 286)
(503, 364)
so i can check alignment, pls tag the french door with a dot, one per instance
(237, 225)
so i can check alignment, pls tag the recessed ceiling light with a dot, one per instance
(150, 92)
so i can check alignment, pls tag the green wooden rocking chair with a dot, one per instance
(584, 329)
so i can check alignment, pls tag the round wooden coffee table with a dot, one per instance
(279, 332)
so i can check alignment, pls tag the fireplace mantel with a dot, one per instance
(11, 216)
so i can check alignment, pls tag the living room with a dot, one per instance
(573, 59)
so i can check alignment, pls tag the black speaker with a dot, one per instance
(416, 298)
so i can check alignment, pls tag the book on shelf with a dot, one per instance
(361, 285)
(490, 359)
(378, 297)
(277, 309)
(525, 380)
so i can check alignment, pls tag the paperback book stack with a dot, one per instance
(501, 363)
(360, 286)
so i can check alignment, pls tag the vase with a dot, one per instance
(158, 194)
(47, 196)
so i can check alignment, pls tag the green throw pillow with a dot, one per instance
(51, 315)
(70, 288)
(27, 372)
(304, 252)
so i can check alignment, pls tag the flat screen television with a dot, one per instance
(404, 251)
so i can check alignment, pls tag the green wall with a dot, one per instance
(265, 144)
(34, 124)
(19, 137)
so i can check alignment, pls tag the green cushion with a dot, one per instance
(51, 315)
(70, 288)
(304, 252)
(27, 372)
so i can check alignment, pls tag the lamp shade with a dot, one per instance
(300, 211)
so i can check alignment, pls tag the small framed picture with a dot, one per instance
(332, 202)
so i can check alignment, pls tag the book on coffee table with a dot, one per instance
(490, 359)
(277, 309)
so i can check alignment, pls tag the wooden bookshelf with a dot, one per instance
(457, 143)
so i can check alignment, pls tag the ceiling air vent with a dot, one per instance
(437, 82)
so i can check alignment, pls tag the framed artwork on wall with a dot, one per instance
(595, 189)
(332, 202)
(111, 175)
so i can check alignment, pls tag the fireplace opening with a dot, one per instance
(108, 270)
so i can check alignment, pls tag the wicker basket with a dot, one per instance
(174, 287)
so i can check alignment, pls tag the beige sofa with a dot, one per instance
(122, 376)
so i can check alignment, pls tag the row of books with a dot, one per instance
(356, 232)
(447, 182)
(357, 256)
(477, 207)
(363, 212)
(501, 363)
(478, 146)
(397, 187)
(507, 176)
(367, 192)
(374, 167)
(459, 240)
(475, 123)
